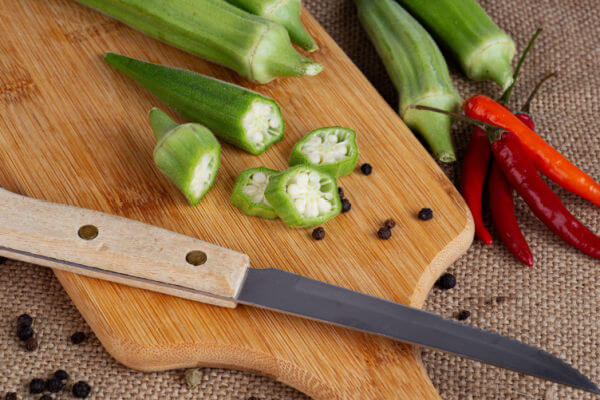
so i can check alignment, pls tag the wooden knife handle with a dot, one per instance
(118, 249)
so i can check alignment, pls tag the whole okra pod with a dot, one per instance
(235, 114)
(285, 12)
(255, 47)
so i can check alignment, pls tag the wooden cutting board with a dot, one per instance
(74, 131)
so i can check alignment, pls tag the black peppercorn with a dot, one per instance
(253, 398)
(462, 315)
(2, 260)
(346, 205)
(37, 385)
(366, 169)
(341, 193)
(318, 233)
(78, 337)
(81, 390)
(10, 396)
(61, 374)
(425, 214)
(389, 223)
(24, 319)
(31, 344)
(54, 385)
(446, 281)
(45, 397)
(384, 233)
(501, 299)
(24, 332)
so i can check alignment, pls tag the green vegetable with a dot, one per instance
(188, 154)
(417, 68)
(237, 115)
(285, 12)
(249, 192)
(482, 49)
(255, 47)
(303, 196)
(332, 150)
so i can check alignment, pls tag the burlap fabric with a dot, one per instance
(555, 305)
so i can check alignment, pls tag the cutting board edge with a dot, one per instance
(190, 355)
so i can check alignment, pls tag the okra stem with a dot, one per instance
(161, 123)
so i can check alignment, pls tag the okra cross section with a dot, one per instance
(248, 194)
(332, 150)
(189, 155)
(304, 196)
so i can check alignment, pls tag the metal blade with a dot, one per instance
(294, 294)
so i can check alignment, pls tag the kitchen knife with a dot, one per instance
(121, 250)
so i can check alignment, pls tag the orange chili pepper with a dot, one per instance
(547, 159)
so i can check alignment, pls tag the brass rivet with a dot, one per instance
(88, 232)
(196, 257)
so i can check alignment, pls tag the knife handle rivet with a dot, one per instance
(196, 257)
(88, 232)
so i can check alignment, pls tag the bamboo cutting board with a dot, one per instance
(74, 131)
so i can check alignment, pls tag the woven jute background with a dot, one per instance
(555, 305)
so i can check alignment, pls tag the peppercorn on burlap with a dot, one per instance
(555, 305)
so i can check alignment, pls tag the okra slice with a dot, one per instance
(304, 196)
(189, 155)
(248, 194)
(239, 116)
(332, 150)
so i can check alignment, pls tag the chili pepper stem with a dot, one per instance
(527, 106)
(161, 123)
(457, 116)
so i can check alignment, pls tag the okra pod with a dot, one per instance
(417, 69)
(237, 115)
(188, 154)
(248, 193)
(481, 48)
(255, 47)
(285, 12)
(303, 196)
(332, 150)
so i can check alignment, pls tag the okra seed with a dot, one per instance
(37, 386)
(366, 169)
(446, 281)
(78, 337)
(425, 214)
(255, 189)
(307, 197)
(389, 223)
(325, 147)
(346, 205)
(10, 396)
(31, 344)
(24, 319)
(384, 233)
(462, 315)
(318, 233)
(24, 332)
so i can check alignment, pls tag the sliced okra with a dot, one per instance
(304, 196)
(248, 194)
(189, 155)
(332, 150)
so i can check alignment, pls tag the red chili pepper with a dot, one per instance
(521, 173)
(474, 169)
(504, 218)
(547, 160)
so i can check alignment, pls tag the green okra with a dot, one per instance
(417, 68)
(255, 47)
(235, 114)
(332, 150)
(189, 155)
(481, 48)
(303, 196)
(248, 193)
(285, 12)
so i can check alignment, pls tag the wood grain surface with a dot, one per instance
(74, 131)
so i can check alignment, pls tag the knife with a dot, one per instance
(125, 251)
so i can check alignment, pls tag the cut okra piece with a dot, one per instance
(249, 192)
(303, 196)
(332, 150)
(239, 116)
(189, 155)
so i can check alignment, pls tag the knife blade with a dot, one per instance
(125, 251)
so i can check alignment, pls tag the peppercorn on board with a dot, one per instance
(75, 131)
